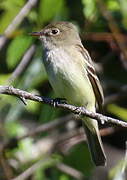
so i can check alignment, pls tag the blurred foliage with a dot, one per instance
(9, 10)
(16, 119)
(14, 54)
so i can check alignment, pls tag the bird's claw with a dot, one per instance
(77, 109)
(57, 101)
(23, 100)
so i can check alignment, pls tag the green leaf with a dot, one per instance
(4, 78)
(26, 146)
(48, 9)
(11, 9)
(33, 106)
(89, 8)
(123, 10)
(64, 177)
(113, 5)
(32, 16)
(118, 172)
(118, 111)
(14, 128)
(79, 158)
(10, 5)
(16, 49)
(34, 75)
(39, 174)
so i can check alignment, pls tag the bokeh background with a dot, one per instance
(39, 142)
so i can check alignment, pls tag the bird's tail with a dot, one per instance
(94, 141)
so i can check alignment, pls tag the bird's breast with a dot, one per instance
(59, 64)
(67, 76)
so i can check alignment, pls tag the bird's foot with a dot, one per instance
(78, 110)
(57, 101)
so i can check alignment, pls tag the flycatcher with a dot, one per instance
(72, 76)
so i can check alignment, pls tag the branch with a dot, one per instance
(77, 110)
(49, 161)
(16, 21)
(69, 139)
(113, 25)
(70, 171)
(39, 164)
(62, 143)
(23, 64)
(47, 127)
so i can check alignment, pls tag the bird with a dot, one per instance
(72, 76)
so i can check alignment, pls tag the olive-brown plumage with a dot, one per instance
(72, 75)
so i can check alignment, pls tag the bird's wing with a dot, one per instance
(92, 76)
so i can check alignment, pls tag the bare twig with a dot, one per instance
(50, 161)
(107, 37)
(34, 167)
(103, 36)
(53, 142)
(48, 126)
(58, 142)
(66, 140)
(17, 20)
(3, 40)
(22, 65)
(113, 27)
(70, 171)
(20, 16)
(77, 110)
(70, 139)
(12, 143)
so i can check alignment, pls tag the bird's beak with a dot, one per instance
(35, 34)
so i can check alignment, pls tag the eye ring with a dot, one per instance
(55, 31)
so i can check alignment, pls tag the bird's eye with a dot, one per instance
(55, 31)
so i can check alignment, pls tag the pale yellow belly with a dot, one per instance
(72, 85)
